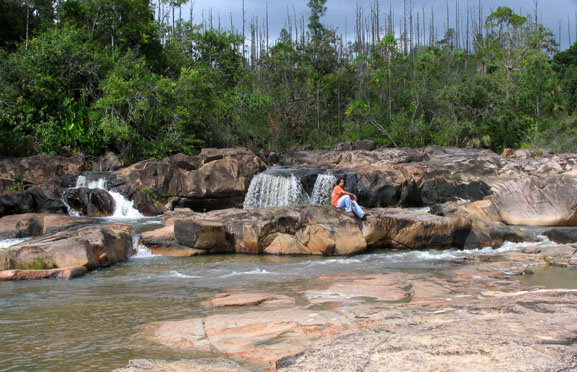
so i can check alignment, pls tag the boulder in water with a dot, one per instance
(317, 230)
(89, 202)
(33, 224)
(91, 247)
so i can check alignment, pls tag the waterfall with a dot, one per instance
(267, 190)
(270, 190)
(322, 189)
(123, 208)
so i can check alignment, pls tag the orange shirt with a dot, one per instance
(337, 193)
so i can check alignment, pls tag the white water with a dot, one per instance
(322, 189)
(267, 190)
(10, 242)
(123, 208)
(141, 250)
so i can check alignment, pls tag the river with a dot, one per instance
(91, 323)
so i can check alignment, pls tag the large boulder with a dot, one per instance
(405, 229)
(91, 247)
(321, 230)
(544, 201)
(216, 179)
(32, 224)
(89, 202)
(35, 184)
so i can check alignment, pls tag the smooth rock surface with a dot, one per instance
(196, 365)
(90, 247)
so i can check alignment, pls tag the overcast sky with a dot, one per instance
(554, 14)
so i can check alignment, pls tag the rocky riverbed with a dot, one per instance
(476, 313)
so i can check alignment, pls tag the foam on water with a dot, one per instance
(123, 208)
(255, 271)
(141, 250)
(177, 274)
(10, 242)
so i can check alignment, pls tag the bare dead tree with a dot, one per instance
(243, 30)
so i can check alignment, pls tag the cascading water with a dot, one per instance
(322, 189)
(123, 208)
(274, 190)
(267, 190)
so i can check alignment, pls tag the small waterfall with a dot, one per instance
(272, 190)
(123, 208)
(322, 189)
(267, 190)
(141, 251)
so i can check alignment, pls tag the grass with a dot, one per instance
(39, 263)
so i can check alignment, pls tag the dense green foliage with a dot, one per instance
(99, 75)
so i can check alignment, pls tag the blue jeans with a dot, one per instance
(345, 202)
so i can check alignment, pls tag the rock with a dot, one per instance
(495, 234)
(196, 365)
(32, 224)
(146, 204)
(354, 290)
(90, 202)
(524, 332)
(542, 201)
(208, 235)
(248, 299)
(562, 235)
(481, 210)
(21, 226)
(91, 247)
(216, 179)
(404, 229)
(34, 184)
(507, 153)
(63, 273)
(41, 169)
(321, 230)
(261, 337)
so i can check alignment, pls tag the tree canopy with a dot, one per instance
(124, 75)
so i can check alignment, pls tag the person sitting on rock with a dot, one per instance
(342, 199)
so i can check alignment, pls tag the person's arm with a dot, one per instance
(349, 194)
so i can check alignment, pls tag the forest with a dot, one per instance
(135, 78)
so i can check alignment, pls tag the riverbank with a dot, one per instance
(475, 313)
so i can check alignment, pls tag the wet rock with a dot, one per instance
(353, 290)
(91, 247)
(562, 234)
(262, 337)
(196, 365)
(249, 299)
(495, 234)
(319, 230)
(90, 202)
(34, 184)
(64, 273)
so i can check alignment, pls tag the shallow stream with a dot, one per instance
(90, 323)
